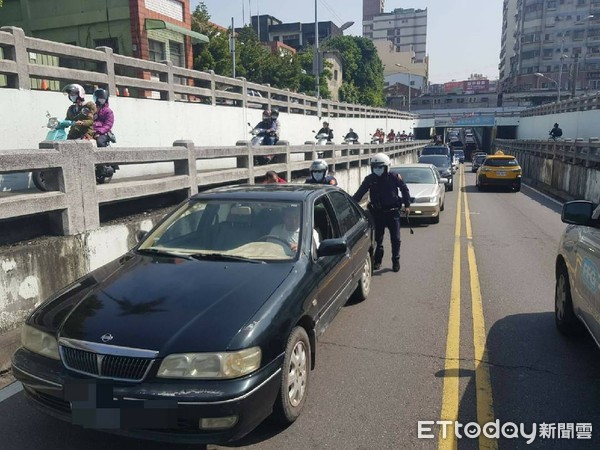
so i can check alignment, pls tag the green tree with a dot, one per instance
(215, 55)
(362, 69)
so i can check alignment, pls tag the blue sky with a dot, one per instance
(463, 36)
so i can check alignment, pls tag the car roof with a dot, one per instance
(500, 157)
(267, 192)
(418, 165)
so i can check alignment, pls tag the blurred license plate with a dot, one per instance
(501, 174)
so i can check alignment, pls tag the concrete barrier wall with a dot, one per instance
(575, 124)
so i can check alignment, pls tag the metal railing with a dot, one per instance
(74, 199)
(127, 76)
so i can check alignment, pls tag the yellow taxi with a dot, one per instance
(499, 170)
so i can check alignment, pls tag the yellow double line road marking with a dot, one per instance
(450, 396)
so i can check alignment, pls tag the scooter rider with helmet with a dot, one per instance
(103, 119)
(384, 205)
(270, 124)
(318, 174)
(80, 115)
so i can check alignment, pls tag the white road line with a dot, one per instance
(10, 390)
(543, 195)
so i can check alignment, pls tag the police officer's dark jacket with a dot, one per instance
(326, 180)
(383, 191)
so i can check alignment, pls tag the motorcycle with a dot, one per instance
(321, 139)
(258, 139)
(57, 132)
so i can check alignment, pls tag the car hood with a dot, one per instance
(172, 304)
(421, 190)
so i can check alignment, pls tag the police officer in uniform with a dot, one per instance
(318, 174)
(384, 205)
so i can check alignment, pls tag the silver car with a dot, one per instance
(427, 190)
(577, 295)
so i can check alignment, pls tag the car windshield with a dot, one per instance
(500, 162)
(479, 159)
(420, 175)
(436, 160)
(229, 230)
(459, 153)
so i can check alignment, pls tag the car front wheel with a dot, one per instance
(564, 315)
(295, 377)
(364, 284)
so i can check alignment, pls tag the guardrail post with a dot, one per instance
(244, 93)
(188, 167)
(78, 182)
(20, 56)
(213, 87)
(169, 95)
(109, 69)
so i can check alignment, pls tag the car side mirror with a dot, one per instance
(443, 180)
(331, 247)
(578, 212)
(140, 235)
(249, 124)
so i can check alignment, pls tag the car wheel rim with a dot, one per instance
(561, 297)
(297, 374)
(366, 275)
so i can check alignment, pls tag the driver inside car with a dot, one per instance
(289, 230)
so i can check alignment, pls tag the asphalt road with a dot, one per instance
(465, 330)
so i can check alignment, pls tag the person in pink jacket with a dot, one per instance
(103, 119)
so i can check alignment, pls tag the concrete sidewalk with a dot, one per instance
(9, 342)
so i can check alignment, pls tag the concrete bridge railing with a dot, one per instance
(155, 80)
(567, 169)
(74, 201)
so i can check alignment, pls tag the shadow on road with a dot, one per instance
(537, 376)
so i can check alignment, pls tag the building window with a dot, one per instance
(156, 50)
(551, 4)
(176, 54)
(110, 42)
(578, 35)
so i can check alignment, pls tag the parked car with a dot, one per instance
(477, 162)
(577, 293)
(499, 170)
(427, 190)
(209, 323)
(443, 165)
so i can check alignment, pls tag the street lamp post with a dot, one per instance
(541, 75)
(317, 52)
(409, 82)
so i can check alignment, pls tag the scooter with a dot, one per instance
(350, 141)
(322, 139)
(258, 139)
(57, 132)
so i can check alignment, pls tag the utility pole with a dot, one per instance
(232, 48)
(317, 59)
(574, 75)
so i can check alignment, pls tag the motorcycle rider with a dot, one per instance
(391, 137)
(384, 205)
(318, 174)
(326, 130)
(103, 119)
(270, 124)
(351, 135)
(80, 115)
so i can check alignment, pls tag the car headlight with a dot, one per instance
(39, 342)
(211, 365)
(431, 199)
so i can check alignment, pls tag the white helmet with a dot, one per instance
(75, 92)
(318, 169)
(380, 159)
